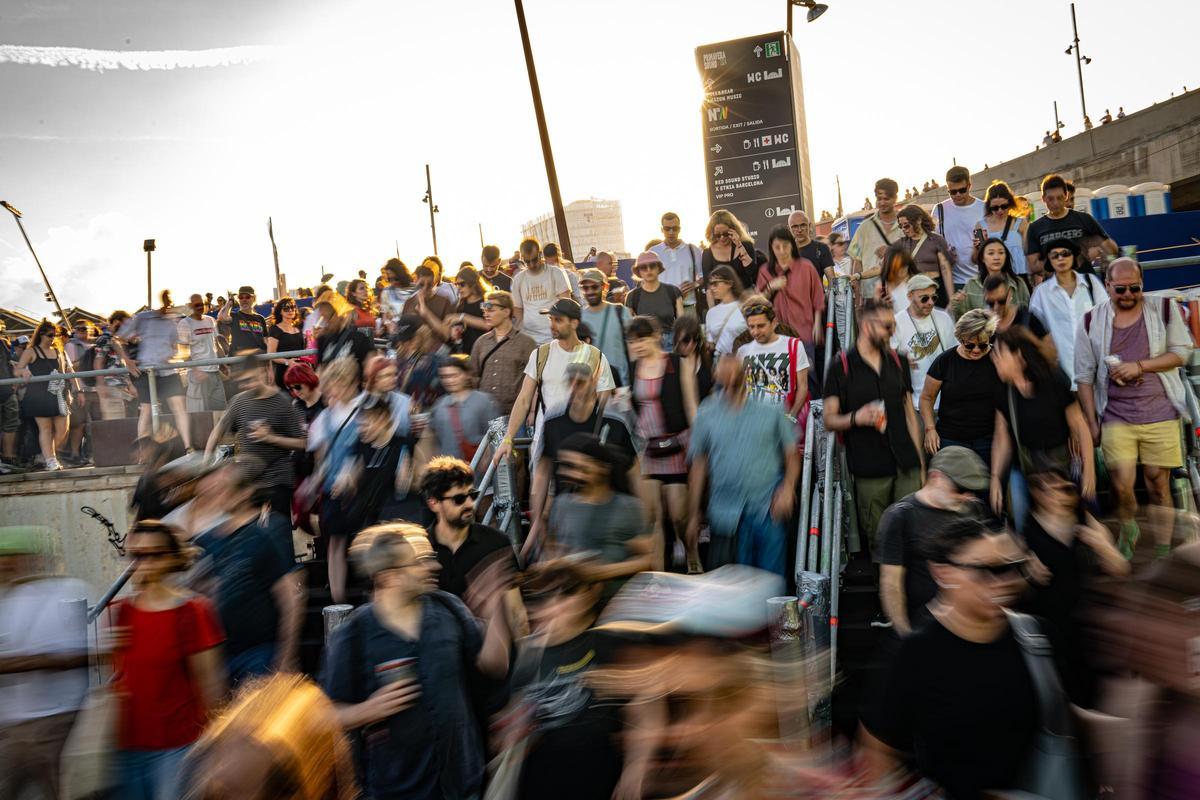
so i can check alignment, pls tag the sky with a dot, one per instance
(192, 122)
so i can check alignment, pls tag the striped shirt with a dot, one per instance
(281, 417)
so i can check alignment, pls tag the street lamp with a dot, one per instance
(815, 10)
(1080, 60)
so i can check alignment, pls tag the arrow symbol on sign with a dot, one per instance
(716, 148)
(758, 51)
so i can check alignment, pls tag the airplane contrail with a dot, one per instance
(138, 60)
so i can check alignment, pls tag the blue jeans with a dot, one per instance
(1018, 492)
(149, 774)
(760, 541)
(249, 664)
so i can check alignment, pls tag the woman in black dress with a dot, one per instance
(284, 336)
(48, 402)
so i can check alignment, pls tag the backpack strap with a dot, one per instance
(1007, 227)
(543, 355)
(941, 214)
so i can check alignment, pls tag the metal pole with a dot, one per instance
(155, 413)
(481, 244)
(1078, 62)
(333, 616)
(432, 207)
(149, 291)
(802, 532)
(560, 216)
(49, 289)
(789, 18)
(1057, 125)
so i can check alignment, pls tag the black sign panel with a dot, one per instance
(753, 146)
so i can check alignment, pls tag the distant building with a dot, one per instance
(590, 223)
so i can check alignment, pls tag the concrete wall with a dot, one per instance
(1159, 143)
(80, 544)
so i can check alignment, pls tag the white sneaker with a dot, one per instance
(678, 555)
(52, 465)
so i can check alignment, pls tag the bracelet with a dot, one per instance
(1141, 369)
(853, 420)
(507, 440)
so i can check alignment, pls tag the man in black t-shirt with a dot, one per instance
(247, 328)
(491, 261)
(1060, 222)
(868, 399)
(905, 586)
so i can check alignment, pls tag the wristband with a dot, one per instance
(854, 418)
(507, 440)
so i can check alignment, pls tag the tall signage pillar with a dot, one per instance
(755, 135)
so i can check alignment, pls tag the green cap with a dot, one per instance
(962, 466)
(16, 540)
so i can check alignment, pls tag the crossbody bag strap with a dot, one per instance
(1054, 714)
(498, 345)
(1007, 227)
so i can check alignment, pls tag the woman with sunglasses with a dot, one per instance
(958, 700)
(1061, 300)
(1002, 220)
(466, 323)
(1039, 424)
(284, 336)
(965, 382)
(724, 320)
(992, 258)
(929, 250)
(48, 402)
(842, 265)
(730, 247)
(168, 674)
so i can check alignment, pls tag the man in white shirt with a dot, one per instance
(776, 366)
(680, 260)
(43, 663)
(873, 236)
(545, 381)
(534, 290)
(198, 333)
(1061, 301)
(923, 331)
(956, 218)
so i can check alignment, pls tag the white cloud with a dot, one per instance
(101, 60)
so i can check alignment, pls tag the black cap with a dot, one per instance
(407, 327)
(564, 307)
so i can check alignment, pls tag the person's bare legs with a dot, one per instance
(62, 426)
(336, 562)
(178, 406)
(143, 420)
(45, 427)
(675, 499)
(1162, 508)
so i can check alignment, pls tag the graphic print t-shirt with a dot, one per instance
(923, 340)
(768, 371)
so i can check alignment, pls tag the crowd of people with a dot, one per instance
(1004, 377)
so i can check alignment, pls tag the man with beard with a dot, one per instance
(607, 321)
(1127, 358)
(868, 399)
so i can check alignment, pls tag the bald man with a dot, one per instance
(816, 252)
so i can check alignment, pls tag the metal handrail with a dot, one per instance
(95, 611)
(153, 368)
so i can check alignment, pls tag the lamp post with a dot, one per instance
(433, 209)
(1080, 60)
(148, 246)
(560, 216)
(815, 10)
(50, 295)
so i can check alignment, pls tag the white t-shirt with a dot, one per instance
(922, 339)
(33, 622)
(534, 292)
(680, 265)
(555, 392)
(200, 337)
(723, 324)
(959, 231)
(843, 267)
(768, 371)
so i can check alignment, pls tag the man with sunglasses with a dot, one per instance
(198, 334)
(247, 328)
(681, 261)
(998, 297)
(1127, 358)
(499, 356)
(923, 332)
(1060, 222)
(956, 219)
(956, 476)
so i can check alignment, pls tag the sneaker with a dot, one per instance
(880, 621)
(52, 465)
(1127, 539)
(678, 555)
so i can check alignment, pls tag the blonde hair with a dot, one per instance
(726, 218)
(342, 370)
(974, 325)
(381, 547)
(295, 723)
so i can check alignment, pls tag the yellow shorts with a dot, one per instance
(1157, 444)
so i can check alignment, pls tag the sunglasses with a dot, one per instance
(722, 235)
(963, 190)
(1061, 254)
(1135, 288)
(998, 209)
(137, 555)
(459, 499)
(973, 346)
(245, 297)
(997, 572)
(1000, 301)
(757, 309)
(925, 298)
(670, 228)
(296, 388)
(490, 306)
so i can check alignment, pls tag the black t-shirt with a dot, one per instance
(819, 254)
(575, 751)
(871, 454)
(659, 303)
(481, 542)
(499, 281)
(471, 309)
(246, 564)
(747, 275)
(348, 341)
(1027, 319)
(970, 392)
(287, 343)
(1076, 225)
(1041, 422)
(247, 331)
(903, 530)
(965, 711)
(401, 761)
(377, 484)
(612, 430)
